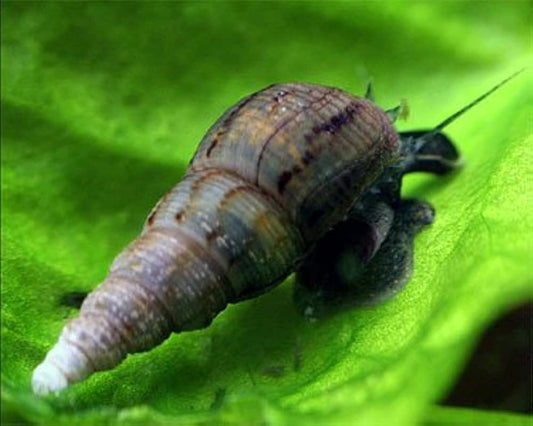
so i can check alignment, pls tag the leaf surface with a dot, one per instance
(102, 107)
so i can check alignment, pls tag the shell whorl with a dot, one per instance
(275, 173)
(213, 239)
(311, 148)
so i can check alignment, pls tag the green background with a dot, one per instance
(102, 107)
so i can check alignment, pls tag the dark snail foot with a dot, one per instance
(339, 274)
(431, 152)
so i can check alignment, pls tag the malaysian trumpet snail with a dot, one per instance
(296, 177)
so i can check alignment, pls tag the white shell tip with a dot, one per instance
(47, 378)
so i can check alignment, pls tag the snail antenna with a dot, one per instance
(369, 94)
(401, 111)
(431, 150)
(456, 115)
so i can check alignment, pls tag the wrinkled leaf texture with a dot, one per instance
(102, 107)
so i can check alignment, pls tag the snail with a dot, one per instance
(296, 177)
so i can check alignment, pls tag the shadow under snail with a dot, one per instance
(294, 178)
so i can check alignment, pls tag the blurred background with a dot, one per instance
(103, 105)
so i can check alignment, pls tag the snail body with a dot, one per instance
(269, 180)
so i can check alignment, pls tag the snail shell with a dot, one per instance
(275, 172)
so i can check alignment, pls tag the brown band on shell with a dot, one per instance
(224, 125)
(279, 128)
(217, 265)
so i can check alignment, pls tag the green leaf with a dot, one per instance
(102, 107)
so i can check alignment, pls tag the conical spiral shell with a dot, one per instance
(267, 181)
